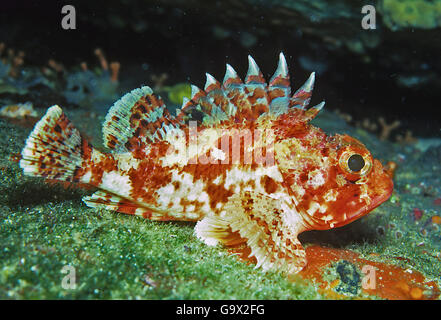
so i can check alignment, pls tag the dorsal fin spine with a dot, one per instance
(211, 83)
(196, 93)
(281, 76)
(312, 112)
(185, 101)
(230, 77)
(302, 96)
(253, 75)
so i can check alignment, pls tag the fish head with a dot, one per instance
(336, 182)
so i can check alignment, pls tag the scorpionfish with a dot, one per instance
(240, 158)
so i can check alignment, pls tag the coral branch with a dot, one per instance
(15, 60)
(58, 67)
(159, 81)
(407, 138)
(114, 68)
(387, 128)
(103, 61)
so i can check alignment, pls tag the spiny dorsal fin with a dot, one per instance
(240, 102)
(135, 120)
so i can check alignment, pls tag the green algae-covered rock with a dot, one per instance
(399, 14)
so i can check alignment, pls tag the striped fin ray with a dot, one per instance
(55, 148)
(279, 90)
(209, 106)
(110, 201)
(302, 96)
(135, 120)
(254, 101)
(106, 200)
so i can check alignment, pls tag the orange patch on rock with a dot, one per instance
(436, 219)
(392, 282)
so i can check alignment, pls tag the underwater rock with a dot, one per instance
(14, 79)
(94, 89)
(350, 280)
(90, 90)
(19, 110)
(434, 153)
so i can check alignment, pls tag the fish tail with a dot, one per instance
(55, 149)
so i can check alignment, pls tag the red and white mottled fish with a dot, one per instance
(162, 167)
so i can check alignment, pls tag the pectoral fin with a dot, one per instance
(262, 223)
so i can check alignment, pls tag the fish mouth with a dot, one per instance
(382, 198)
(382, 186)
(376, 202)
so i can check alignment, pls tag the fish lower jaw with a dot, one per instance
(309, 223)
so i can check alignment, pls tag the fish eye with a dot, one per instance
(356, 163)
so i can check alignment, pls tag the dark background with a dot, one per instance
(180, 38)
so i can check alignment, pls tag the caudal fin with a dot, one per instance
(54, 149)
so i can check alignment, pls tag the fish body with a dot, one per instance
(240, 158)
